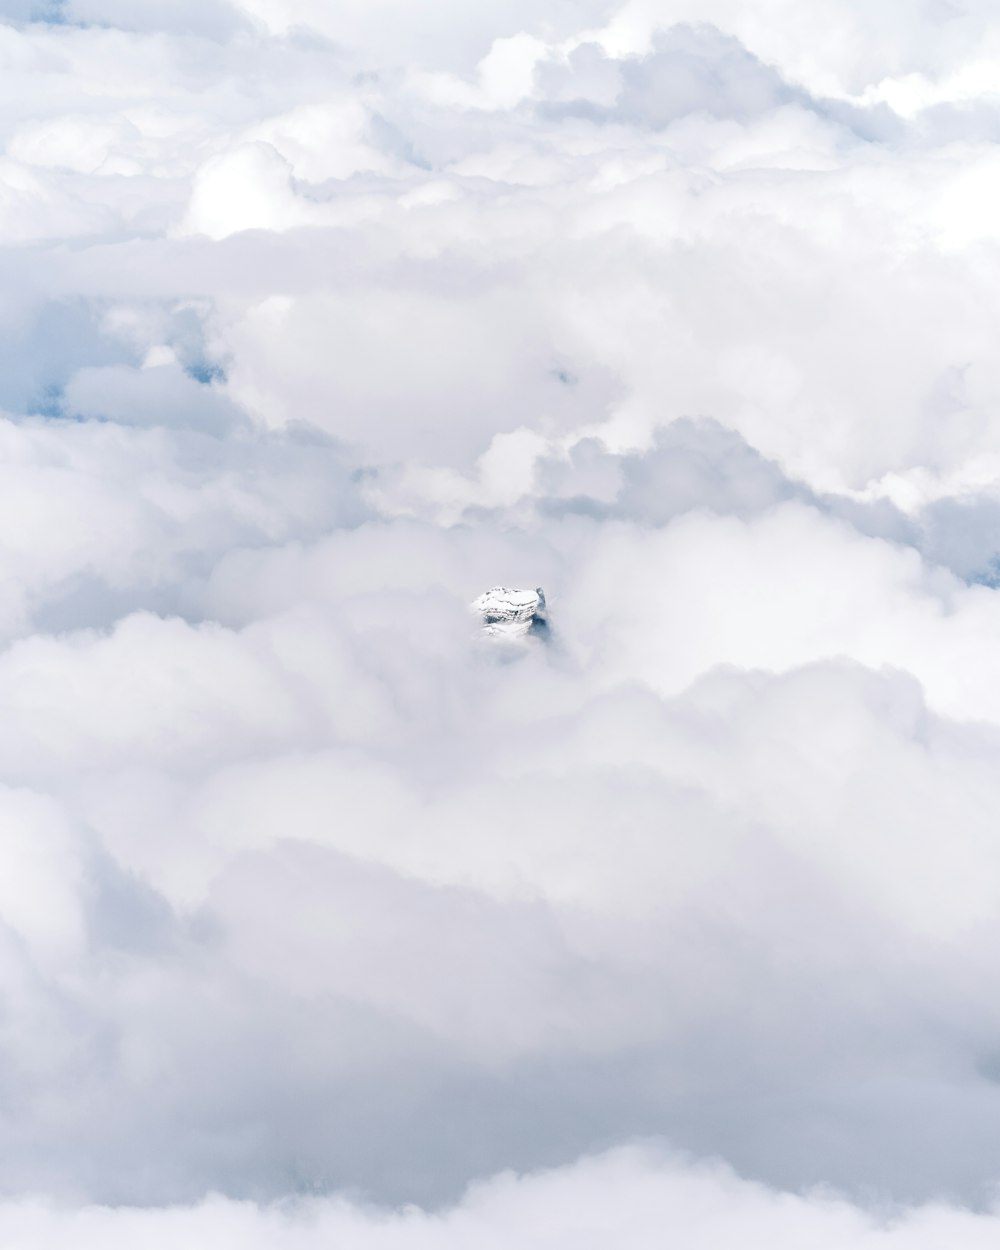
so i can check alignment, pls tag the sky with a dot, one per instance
(325, 921)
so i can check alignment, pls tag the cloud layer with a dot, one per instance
(317, 320)
(632, 1197)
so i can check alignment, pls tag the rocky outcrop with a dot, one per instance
(507, 613)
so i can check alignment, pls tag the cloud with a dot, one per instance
(628, 1196)
(316, 321)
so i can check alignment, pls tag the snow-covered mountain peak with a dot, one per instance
(508, 613)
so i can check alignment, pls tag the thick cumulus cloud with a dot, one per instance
(631, 1197)
(324, 921)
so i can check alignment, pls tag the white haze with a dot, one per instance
(316, 320)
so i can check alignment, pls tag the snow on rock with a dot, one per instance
(510, 613)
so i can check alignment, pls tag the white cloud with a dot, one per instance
(635, 1198)
(316, 320)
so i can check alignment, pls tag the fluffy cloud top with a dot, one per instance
(631, 1197)
(323, 921)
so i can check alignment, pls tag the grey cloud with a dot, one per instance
(31, 10)
(45, 345)
(215, 19)
(700, 465)
(693, 69)
(132, 519)
(688, 69)
(699, 70)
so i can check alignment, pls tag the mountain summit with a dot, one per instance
(510, 613)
